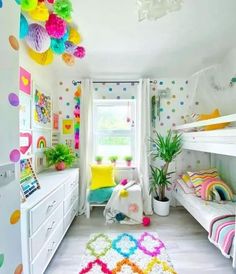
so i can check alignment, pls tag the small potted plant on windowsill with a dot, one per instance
(113, 159)
(60, 155)
(98, 159)
(128, 160)
(166, 149)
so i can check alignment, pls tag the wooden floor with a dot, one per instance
(185, 239)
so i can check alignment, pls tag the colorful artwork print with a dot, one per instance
(28, 180)
(42, 109)
(25, 143)
(77, 117)
(67, 126)
(55, 121)
(25, 81)
(25, 111)
(41, 142)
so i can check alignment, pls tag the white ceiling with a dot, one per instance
(118, 46)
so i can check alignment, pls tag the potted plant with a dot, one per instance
(166, 148)
(113, 159)
(128, 160)
(60, 155)
(98, 159)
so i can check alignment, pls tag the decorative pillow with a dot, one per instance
(216, 185)
(186, 179)
(185, 188)
(198, 177)
(100, 195)
(102, 176)
(214, 114)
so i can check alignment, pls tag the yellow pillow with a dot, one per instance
(102, 176)
(214, 114)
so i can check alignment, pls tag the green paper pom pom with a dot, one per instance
(28, 5)
(63, 9)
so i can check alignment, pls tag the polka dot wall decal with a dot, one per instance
(67, 116)
(182, 117)
(124, 89)
(173, 96)
(118, 97)
(181, 103)
(67, 103)
(96, 89)
(132, 97)
(103, 97)
(168, 117)
(110, 89)
(13, 99)
(153, 89)
(67, 89)
(1, 260)
(181, 88)
(60, 98)
(187, 96)
(161, 83)
(162, 124)
(15, 217)
(173, 110)
(161, 109)
(186, 82)
(14, 42)
(173, 125)
(198, 161)
(173, 82)
(60, 112)
(196, 103)
(168, 102)
(14, 155)
(60, 83)
(19, 269)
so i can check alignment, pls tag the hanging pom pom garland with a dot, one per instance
(77, 116)
(53, 34)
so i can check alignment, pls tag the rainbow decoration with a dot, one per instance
(41, 143)
(221, 187)
(77, 116)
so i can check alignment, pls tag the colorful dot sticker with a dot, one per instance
(13, 99)
(132, 97)
(186, 82)
(60, 98)
(161, 83)
(14, 155)
(67, 116)
(19, 269)
(67, 103)
(153, 89)
(60, 83)
(174, 96)
(1, 260)
(162, 124)
(168, 102)
(181, 103)
(161, 109)
(118, 97)
(60, 112)
(168, 117)
(124, 89)
(173, 82)
(173, 110)
(173, 124)
(67, 89)
(181, 88)
(14, 42)
(110, 89)
(196, 103)
(96, 89)
(15, 217)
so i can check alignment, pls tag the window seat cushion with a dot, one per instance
(100, 195)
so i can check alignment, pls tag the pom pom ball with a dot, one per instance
(41, 12)
(123, 193)
(146, 221)
(79, 52)
(24, 27)
(124, 182)
(133, 208)
(63, 8)
(55, 26)
(57, 45)
(68, 59)
(28, 5)
(70, 47)
(50, 1)
(120, 217)
(37, 38)
(65, 36)
(43, 59)
(74, 36)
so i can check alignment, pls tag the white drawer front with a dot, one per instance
(71, 183)
(45, 231)
(39, 213)
(69, 200)
(40, 263)
(70, 215)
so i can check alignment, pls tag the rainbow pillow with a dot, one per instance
(198, 177)
(211, 185)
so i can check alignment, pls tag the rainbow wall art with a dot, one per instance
(41, 143)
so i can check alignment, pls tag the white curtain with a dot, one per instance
(143, 144)
(86, 114)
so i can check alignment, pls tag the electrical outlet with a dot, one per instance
(7, 174)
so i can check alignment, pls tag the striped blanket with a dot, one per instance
(222, 233)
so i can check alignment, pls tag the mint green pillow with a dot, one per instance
(101, 195)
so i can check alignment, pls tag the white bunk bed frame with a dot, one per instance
(221, 142)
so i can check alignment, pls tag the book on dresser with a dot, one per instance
(46, 216)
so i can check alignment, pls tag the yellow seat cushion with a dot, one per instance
(214, 114)
(102, 176)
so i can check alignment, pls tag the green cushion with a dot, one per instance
(100, 195)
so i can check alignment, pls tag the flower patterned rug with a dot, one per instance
(126, 253)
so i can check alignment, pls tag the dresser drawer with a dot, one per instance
(45, 231)
(71, 182)
(39, 213)
(70, 215)
(41, 261)
(70, 198)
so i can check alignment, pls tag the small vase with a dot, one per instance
(60, 166)
(99, 162)
(128, 163)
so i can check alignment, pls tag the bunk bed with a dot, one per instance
(221, 142)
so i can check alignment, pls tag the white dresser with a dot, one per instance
(46, 216)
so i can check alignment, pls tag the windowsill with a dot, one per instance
(119, 166)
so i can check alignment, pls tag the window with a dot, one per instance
(114, 124)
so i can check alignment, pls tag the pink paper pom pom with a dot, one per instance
(123, 182)
(79, 52)
(50, 1)
(146, 221)
(55, 26)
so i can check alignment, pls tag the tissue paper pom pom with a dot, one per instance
(74, 36)
(146, 221)
(65, 36)
(41, 12)
(55, 26)
(50, 1)
(70, 47)
(37, 38)
(24, 26)
(120, 217)
(57, 45)
(79, 52)
(68, 59)
(63, 8)
(123, 182)
(27, 5)
(133, 208)
(44, 58)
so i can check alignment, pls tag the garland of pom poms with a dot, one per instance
(77, 116)
(46, 28)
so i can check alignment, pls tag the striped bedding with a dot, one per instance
(222, 233)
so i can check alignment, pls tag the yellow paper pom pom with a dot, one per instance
(43, 59)
(78, 92)
(123, 193)
(77, 119)
(74, 36)
(41, 12)
(27, 5)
